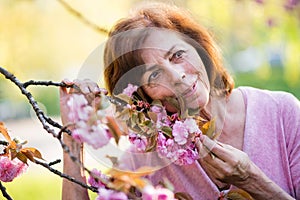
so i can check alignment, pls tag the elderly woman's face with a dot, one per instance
(174, 69)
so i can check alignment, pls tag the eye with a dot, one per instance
(153, 76)
(177, 55)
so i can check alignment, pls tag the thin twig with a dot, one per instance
(44, 120)
(45, 83)
(54, 162)
(4, 193)
(112, 100)
(39, 113)
(82, 18)
(72, 179)
(4, 143)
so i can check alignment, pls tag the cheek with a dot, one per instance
(194, 64)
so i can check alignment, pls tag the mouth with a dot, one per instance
(190, 91)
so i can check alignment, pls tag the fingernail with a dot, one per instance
(67, 81)
(210, 144)
(104, 91)
(96, 89)
(85, 90)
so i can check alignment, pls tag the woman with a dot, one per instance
(170, 56)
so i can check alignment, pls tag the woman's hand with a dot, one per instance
(224, 164)
(88, 88)
(227, 165)
(91, 92)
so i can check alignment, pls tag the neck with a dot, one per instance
(217, 109)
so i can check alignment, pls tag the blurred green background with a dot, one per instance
(41, 40)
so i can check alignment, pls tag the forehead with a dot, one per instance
(162, 40)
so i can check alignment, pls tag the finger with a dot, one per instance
(225, 153)
(207, 142)
(94, 88)
(103, 90)
(87, 86)
(63, 92)
(214, 174)
(67, 81)
(221, 150)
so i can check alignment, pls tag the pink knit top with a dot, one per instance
(271, 139)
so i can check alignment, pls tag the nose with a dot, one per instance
(176, 73)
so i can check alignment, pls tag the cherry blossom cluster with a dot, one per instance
(89, 125)
(149, 192)
(175, 137)
(10, 169)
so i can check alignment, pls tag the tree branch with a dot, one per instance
(93, 189)
(39, 113)
(4, 193)
(82, 18)
(44, 120)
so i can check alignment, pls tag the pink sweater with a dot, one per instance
(271, 131)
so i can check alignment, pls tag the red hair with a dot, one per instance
(161, 15)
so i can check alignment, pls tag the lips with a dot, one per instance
(190, 91)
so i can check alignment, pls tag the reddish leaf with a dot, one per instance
(31, 153)
(4, 132)
(209, 128)
(113, 126)
(238, 194)
(124, 180)
(13, 153)
(22, 157)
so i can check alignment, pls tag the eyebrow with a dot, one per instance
(170, 51)
(165, 56)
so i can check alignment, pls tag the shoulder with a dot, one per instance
(275, 106)
(272, 98)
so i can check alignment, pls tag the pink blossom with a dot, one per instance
(185, 156)
(180, 133)
(10, 169)
(97, 135)
(158, 193)
(191, 125)
(106, 194)
(78, 108)
(94, 179)
(162, 117)
(139, 142)
(130, 90)
(181, 155)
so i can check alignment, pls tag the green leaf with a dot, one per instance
(166, 183)
(167, 130)
(151, 143)
(123, 97)
(141, 117)
(176, 103)
(124, 115)
(148, 123)
(152, 116)
(113, 159)
(157, 102)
